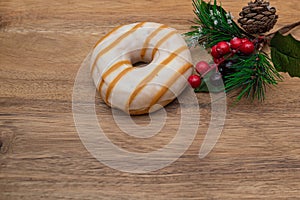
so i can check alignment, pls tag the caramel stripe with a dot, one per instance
(115, 81)
(114, 43)
(149, 38)
(161, 41)
(144, 82)
(170, 82)
(108, 34)
(111, 70)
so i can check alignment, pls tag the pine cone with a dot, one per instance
(258, 17)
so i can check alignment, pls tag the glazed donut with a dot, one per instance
(135, 89)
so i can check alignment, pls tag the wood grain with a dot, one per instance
(42, 44)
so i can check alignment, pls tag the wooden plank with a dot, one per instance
(42, 45)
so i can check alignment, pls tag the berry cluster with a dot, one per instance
(203, 68)
(222, 54)
(236, 45)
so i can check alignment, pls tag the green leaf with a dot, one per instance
(285, 53)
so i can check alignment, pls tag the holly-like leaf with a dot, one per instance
(285, 52)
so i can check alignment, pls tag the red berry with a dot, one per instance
(219, 60)
(235, 42)
(194, 81)
(223, 48)
(214, 52)
(245, 40)
(247, 48)
(202, 67)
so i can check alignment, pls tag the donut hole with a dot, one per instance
(140, 61)
(140, 64)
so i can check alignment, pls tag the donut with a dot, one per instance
(137, 89)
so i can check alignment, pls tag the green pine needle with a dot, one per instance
(214, 24)
(253, 74)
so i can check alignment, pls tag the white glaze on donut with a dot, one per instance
(138, 90)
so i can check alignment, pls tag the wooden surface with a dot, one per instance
(42, 44)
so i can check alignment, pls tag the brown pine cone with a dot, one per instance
(258, 17)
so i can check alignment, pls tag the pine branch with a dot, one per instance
(214, 24)
(250, 74)
(253, 74)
